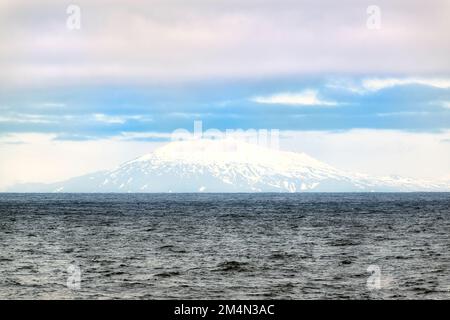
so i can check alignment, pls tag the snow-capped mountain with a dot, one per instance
(228, 166)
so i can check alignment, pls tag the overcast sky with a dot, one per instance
(372, 100)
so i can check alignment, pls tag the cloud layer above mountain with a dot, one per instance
(175, 41)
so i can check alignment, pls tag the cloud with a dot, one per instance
(149, 41)
(383, 83)
(25, 118)
(445, 104)
(120, 119)
(100, 117)
(75, 137)
(145, 136)
(285, 104)
(304, 98)
(51, 105)
(402, 113)
(370, 85)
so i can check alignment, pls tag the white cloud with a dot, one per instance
(445, 104)
(383, 83)
(368, 85)
(100, 117)
(13, 117)
(51, 105)
(402, 113)
(144, 135)
(304, 98)
(25, 118)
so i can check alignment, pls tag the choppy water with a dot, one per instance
(205, 246)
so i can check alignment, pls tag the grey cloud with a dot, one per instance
(185, 40)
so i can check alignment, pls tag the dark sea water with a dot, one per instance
(230, 246)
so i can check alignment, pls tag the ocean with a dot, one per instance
(225, 246)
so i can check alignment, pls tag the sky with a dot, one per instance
(86, 85)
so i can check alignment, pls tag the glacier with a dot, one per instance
(228, 165)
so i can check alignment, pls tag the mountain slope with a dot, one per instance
(227, 166)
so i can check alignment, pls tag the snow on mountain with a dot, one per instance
(228, 166)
